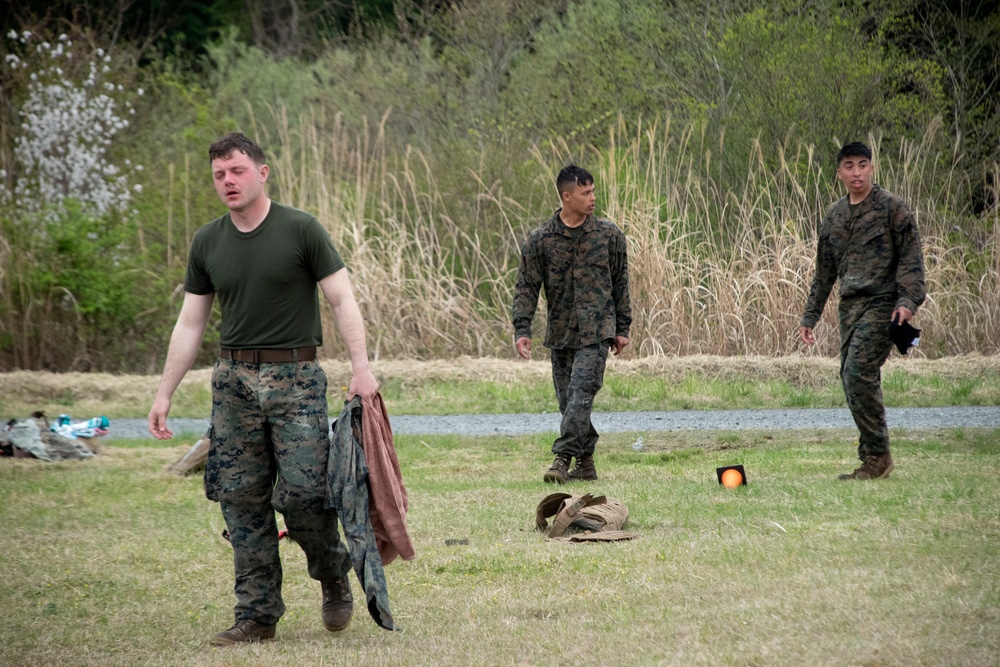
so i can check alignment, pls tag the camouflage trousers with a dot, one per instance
(578, 374)
(864, 347)
(269, 451)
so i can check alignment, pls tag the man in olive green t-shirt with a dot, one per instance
(269, 430)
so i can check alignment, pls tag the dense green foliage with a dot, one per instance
(468, 108)
(186, 27)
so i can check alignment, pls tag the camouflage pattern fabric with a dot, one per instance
(876, 254)
(347, 494)
(578, 374)
(34, 437)
(864, 346)
(269, 451)
(585, 281)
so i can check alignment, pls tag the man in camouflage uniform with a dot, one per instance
(582, 261)
(868, 240)
(269, 432)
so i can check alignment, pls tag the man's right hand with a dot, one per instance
(158, 419)
(807, 336)
(523, 347)
(363, 384)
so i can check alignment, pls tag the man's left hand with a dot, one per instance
(364, 384)
(904, 315)
(619, 344)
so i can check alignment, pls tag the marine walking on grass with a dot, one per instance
(269, 432)
(869, 241)
(582, 263)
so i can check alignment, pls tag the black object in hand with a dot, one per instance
(903, 335)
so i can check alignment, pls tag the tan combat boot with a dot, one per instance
(558, 472)
(584, 470)
(244, 630)
(338, 604)
(873, 467)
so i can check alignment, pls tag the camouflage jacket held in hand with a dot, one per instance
(875, 253)
(347, 494)
(585, 280)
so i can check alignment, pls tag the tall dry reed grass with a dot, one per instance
(721, 251)
(428, 286)
(720, 260)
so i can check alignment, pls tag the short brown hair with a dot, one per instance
(231, 142)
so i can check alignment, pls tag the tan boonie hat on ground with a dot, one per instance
(582, 518)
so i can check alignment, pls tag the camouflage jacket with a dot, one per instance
(347, 494)
(875, 253)
(585, 280)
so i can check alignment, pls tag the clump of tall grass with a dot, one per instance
(427, 286)
(720, 258)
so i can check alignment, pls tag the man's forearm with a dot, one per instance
(525, 301)
(184, 343)
(623, 307)
(351, 328)
(912, 287)
(337, 289)
(822, 284)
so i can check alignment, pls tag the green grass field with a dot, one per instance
(110, 561)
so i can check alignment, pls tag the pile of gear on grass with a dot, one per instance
(66, 440)
(582, 518)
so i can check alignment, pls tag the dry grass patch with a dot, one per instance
(498, 385)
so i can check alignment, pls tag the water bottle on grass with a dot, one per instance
(91, 428)
(94, 422)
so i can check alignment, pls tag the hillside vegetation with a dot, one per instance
(427, 136)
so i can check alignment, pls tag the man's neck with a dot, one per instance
(860, 197)
(572, 220)
(250, 218)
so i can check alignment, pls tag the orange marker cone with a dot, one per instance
(731, 476)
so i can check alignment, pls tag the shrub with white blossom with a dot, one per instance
(71, 113)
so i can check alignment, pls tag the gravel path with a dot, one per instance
(612, 422)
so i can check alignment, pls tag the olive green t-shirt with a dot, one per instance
(265, 280)
(574, 232)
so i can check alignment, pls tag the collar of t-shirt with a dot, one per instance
(854, 207)
(574, 232)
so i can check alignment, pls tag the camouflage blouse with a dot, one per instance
(874, 251)
(585, 277)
